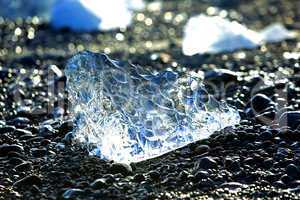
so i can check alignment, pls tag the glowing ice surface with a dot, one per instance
(127, 113)
(207, 34)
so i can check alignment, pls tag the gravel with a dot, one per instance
(259, 158)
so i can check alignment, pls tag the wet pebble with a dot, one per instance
(291, 119)
(28, 181)
(260, 103)
(121, 168)
(36, 152)
(7, 129)
(46, 131)
(22, 132)
(25, 166)
(72, 193)
(206, 163)
(201, 149)
(99, 183)
(293, 171)
(221, 75)
(5, 149)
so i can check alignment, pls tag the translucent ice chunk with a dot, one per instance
(206, 34)
(127, 113)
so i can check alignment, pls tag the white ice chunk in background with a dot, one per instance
(128, 113)
(78, 15)
(214, 34)
(90, 15)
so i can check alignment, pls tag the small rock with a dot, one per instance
(20, 122)
(28, 181)
(99, 183)
(202, 149)
(290, 118)
(21, 132)
(233, 185)
(38, 152)
(68, 138)
(72, 193)
(2, 123)
(139, 178)
(15, 161)
(286, 179)
(232, 164)
(260, 102)
(46, 131)
(60, 146)
(154, 175)
(221, 75)
(66, 127)
(26, 166)
(5, 149)
(207, 163)
(266, 135)
(7, 129)
(293, 171)
(121, 168)
(201, 175)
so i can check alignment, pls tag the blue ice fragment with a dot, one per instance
(127, 113)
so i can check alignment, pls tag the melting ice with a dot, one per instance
(214, 34)
(127, 113)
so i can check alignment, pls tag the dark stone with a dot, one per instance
(26, 166)
(286, 179)
(201, 149)
(38, 152)
(28, 181)
(201, 175)
(290, 119)
(65, 127)
(5, 149)
(233, 185)
(19, 122)
(68, 138)
(266, 135)
(259, 103)
(2, 123)
(232, 165)
(154, 175)
(293, 171)
(207, 163)
(220, 75)
(72, 193)
(121, 168)
(7, 129)
(21, 132)
(15, 161)
(268, 163)
(139, 178)
(46, 131)
(99, 183)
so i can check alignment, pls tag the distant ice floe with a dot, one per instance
(89, 15)
(214, 34)
(78, 15)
